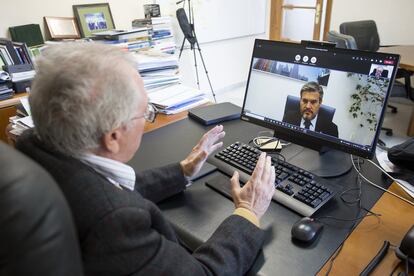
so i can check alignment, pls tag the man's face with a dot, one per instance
(309, 104)
(132, 134)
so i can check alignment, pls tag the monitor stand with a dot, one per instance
(324, 163)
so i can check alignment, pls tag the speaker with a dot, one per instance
(185, 26)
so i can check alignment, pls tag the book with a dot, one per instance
(122, 34)
(29, 34)
(9, 47)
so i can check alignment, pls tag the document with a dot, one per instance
(173, 95)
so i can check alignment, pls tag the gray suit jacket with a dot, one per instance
(123, 232)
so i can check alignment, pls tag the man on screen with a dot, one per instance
(310, 115)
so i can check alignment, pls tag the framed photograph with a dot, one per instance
(93, 18)
(62, 27)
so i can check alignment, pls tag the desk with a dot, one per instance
(198, 211)
(406, 63)
(365, 241)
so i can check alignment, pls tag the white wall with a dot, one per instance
(227, 61)
(393, 18)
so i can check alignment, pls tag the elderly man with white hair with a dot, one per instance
(89, 108)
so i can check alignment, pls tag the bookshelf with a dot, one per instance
(7, 110)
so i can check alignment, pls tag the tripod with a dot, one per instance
(187, 26)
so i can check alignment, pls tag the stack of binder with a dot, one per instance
(6, 90)
(16, 60)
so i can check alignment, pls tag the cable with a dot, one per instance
(354, 219)
(377, 186)
(358, 201)
(395, 268)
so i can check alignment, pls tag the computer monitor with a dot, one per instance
(319, 96)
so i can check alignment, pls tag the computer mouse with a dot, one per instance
(306, 230)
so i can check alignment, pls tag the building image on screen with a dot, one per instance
(335, 103)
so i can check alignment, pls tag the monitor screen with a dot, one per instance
(319, 96)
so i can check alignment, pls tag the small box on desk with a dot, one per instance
(215, 113)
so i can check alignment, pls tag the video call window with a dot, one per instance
(334, 103)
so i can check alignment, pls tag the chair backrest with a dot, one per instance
(37, 234)
(342, 40)
(365, 33)
(293, 103)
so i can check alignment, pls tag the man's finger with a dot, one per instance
(257, 173)
(266, 169)
(215, 147)
(210, 134)
(235, 184)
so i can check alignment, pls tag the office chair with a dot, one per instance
(293, 103)
(364, 32)
(37, 235)
(349, 42)
(367, 38)
(342, 40)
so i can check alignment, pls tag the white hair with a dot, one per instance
(80, 92)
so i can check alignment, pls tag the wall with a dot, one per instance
(227, 61)
(393, 18)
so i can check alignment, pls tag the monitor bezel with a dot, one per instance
(319, 143)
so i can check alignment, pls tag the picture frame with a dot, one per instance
(62, 27)
(93, 18)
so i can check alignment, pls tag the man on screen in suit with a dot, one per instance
(89, 108)
(308, 116)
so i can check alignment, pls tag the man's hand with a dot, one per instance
(207, 144)
(257, 193)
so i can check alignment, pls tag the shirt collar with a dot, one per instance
(312, 125)
(116, 172)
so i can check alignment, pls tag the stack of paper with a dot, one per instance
(23, 120)
(162, 34)
(157, 69)
(176, 98)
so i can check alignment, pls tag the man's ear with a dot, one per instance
(111, 141)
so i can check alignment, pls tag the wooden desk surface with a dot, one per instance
(406, 52)
(163, 120)
(363, 244)
(13, 101)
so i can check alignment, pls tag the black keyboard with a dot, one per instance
(296, 188)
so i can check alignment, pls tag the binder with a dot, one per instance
(11, 50)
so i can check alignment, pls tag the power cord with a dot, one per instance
(358, 200)
(377, 186)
